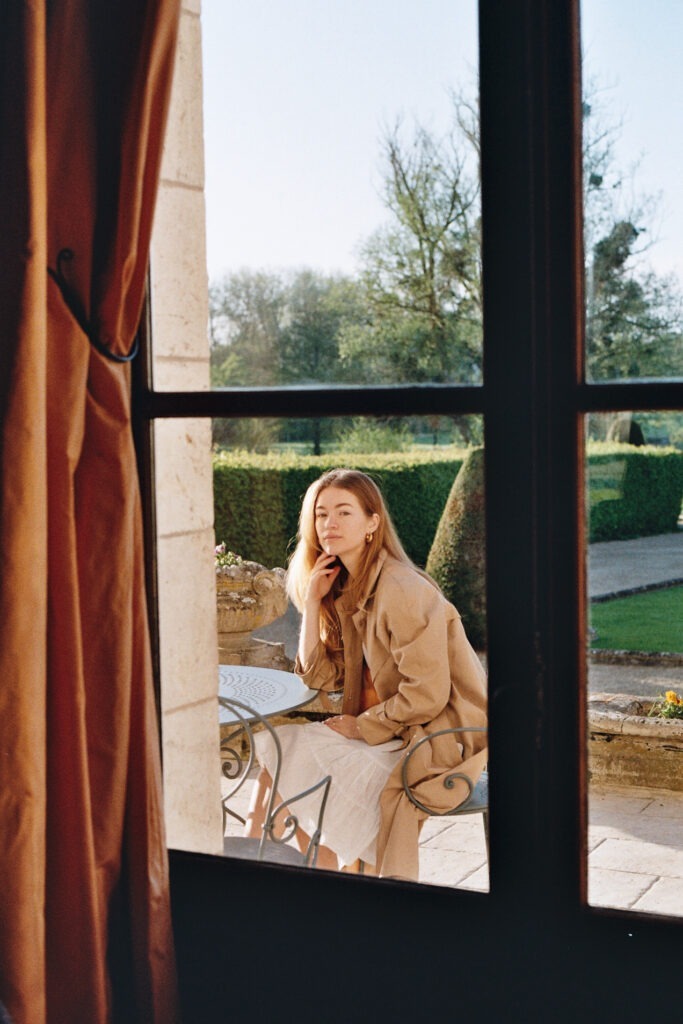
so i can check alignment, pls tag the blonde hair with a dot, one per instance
(308, 549)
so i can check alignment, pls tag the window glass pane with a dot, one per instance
(430, 473)
(635, 670)
(633, 212)
(342, 193)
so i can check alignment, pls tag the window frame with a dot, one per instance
(534, 399)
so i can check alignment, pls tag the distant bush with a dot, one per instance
(367, 435)
(257, 498)
(633, 492)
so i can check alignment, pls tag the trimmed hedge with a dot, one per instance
(633, 492)
(257, 498)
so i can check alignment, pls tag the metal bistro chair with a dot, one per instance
(477, 802)
(270, 846)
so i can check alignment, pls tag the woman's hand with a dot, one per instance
(322, 577)
(345, 725)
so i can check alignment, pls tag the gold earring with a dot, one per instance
(368, 538)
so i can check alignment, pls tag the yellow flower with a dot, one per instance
(672, 697)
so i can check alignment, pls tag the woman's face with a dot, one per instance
(341, 524)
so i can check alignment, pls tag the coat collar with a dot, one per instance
(344, 603)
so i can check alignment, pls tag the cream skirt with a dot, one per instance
(359, 774)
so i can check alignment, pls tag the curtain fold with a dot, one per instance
(23, 508)
(85, 929)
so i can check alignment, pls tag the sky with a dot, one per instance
(298, 94)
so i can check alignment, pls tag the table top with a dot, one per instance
(268, 691)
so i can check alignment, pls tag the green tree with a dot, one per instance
(246, 311)
(415, 312)
(421, 273)
(319, 307)
(246, 315)
(269, 329)
(634, 321)
(633, 317)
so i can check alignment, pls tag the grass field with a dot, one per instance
(652, 621)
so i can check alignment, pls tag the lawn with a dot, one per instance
(652, 621)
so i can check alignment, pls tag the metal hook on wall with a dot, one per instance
(77, 310)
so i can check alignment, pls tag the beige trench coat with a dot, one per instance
(427, 677)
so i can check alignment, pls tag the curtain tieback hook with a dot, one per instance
(75, 307)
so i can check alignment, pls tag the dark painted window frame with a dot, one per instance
(534, 400)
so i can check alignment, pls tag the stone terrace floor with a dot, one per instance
(635, 843)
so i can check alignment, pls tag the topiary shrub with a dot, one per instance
(457, 560)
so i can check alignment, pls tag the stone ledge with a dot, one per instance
(607, 657)
(644, 588)
(627, 748)
(628, 715)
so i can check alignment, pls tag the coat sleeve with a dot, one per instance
(318, 672)
(415, 622)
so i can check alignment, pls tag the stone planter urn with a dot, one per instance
(628, 748)
(249, 596)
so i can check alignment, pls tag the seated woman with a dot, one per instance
(379, 627)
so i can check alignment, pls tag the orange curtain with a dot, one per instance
(85, 929)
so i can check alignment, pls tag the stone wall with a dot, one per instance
(185, 539)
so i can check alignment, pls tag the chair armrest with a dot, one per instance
(450, 779)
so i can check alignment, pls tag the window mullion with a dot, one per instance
(532, 312)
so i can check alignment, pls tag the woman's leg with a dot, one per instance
(326, 859)
(258, 805)
(360, 867)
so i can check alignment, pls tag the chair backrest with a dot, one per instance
(276, 828)
(290, 823)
